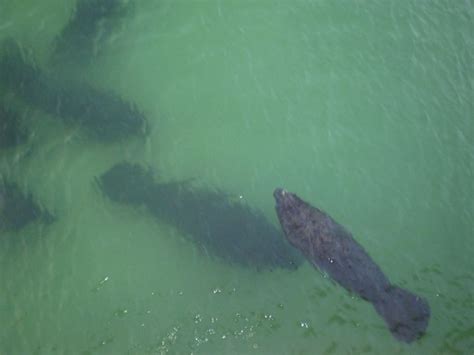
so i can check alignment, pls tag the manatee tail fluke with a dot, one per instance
(405, 313)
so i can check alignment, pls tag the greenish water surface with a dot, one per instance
(363, 108)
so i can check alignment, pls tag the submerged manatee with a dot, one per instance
(11, 131)
(18, 209)
(217, 224)
(102, 114)
(90, 24)
(329, 247)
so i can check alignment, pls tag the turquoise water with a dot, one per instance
(363, 108)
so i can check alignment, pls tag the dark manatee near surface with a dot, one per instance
(331, 248)
(219, 225)
(18, 209)
(102, 114)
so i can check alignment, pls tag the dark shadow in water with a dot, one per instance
(228, 229)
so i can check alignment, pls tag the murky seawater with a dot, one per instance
(364, 108)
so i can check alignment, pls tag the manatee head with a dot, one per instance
(127, 183)
(297, 218)
(286, 202)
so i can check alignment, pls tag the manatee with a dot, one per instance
(91, 22)
(330, 248)
(102, 114)
(18, 209)
(220, 226)
(11, 131)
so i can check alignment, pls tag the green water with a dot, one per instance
(364, 108)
